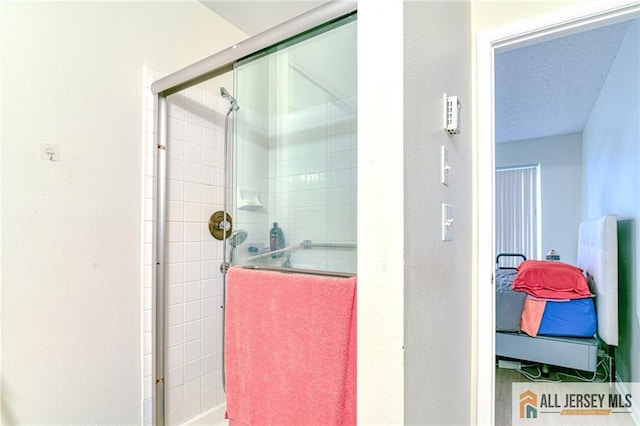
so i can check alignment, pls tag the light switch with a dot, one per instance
(447, 221)
(445, 166)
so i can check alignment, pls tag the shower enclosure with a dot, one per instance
(266, 136)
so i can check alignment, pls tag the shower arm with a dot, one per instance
(232, 101)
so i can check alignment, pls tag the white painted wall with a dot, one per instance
(381, 227)
(437, 273)
(611, 149)
(560, 159)
(71, 230)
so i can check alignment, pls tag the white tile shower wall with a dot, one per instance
(253, 175)
(312, 182)
(304, 167)
(193, 351)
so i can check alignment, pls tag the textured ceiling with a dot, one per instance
(549, 88)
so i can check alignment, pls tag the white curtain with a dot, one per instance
(517, 206)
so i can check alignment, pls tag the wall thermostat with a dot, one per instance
(452, 107)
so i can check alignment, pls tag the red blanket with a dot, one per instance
(551, 280)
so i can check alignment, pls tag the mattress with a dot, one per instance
(574, 318)
(509, 303)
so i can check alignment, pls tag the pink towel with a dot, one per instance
(290, 349)
(532, 315)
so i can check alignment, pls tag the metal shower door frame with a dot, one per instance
(191, 75)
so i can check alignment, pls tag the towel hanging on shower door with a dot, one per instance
(290, 348)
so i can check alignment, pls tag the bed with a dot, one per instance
(576, 345)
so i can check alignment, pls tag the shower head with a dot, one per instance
(237, 237)
(225, 94)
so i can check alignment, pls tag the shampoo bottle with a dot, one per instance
(276, 239)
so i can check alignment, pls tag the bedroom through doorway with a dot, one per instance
(564, 200)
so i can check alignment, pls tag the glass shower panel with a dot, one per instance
(296, 151)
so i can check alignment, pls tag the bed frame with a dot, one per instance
(598, 257)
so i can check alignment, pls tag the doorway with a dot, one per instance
(547, 27)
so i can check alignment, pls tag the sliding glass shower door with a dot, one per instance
(296, 149)
(292, 197)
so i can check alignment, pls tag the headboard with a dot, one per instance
(598, 257)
